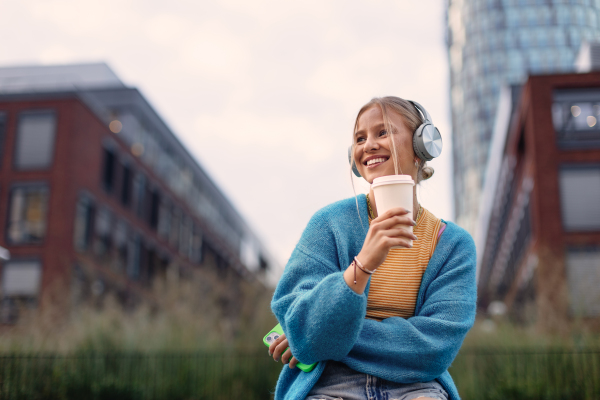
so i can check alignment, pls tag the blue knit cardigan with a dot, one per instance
(325, 320)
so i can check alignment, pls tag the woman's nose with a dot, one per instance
(371, 144)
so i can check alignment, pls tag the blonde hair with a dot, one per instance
(411, 118)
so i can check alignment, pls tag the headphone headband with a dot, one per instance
(421, 110)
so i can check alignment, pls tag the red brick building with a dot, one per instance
(97, 193)
(539, 230)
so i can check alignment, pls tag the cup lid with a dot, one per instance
(392, 179)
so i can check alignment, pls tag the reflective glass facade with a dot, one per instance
(496, 42)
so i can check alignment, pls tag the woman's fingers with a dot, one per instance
(400, 233)
(285, 358)
(396, 211)
(278, 346)
(394, 221)
(391, 229)
(395, 242)
(279, 349)
(391, 222)
(275, 343)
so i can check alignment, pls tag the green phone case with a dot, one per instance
(273, 335)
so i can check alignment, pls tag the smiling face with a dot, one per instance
(373, 152)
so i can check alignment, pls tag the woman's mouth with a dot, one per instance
(374, 162)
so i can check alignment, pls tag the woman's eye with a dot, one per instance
(383, 133)
(360, 140)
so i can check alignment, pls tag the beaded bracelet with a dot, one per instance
(359, 265)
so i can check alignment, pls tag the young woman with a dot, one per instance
(382, 323)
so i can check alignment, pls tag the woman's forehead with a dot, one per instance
(373, 118)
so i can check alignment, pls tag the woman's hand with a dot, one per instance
(278, 347)
(386, 231)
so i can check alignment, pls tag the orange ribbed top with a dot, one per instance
(395, 286)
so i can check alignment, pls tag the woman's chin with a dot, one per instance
(370, 176)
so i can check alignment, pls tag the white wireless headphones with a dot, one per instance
(427, 141)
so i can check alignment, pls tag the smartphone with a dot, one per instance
(273, 335)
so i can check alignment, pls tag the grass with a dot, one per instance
(201, 313)
(216, 375)
(504, 361)
(200, 339)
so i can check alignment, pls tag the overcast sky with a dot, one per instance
(263, 93)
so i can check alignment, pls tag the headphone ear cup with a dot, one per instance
(354, 169)
(427, 142)
(418, 136)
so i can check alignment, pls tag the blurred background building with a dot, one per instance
(493, 43)
(539, 224)
(99, 196)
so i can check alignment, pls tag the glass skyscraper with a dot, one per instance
(492, 43)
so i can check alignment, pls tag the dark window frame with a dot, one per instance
(87, 201)
(103, 243)
(109, 169)
(154, 199)
(3, 128)
(126, 192)
(134, 255)
(567, 135)
(139, 185)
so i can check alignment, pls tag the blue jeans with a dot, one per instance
(341, 382)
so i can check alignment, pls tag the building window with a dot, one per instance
(120, 237)
(126, 185)
(108, 170)
(583, 275)
(263, 264)
(185, 236)
(154, 209)
(576, 117)
(146, 272)
(21, 281)
(175, 221)
(21, 278)
(196, 248)
(27, 214)
(36, 132)
(2, 134)
(103, 228)
(84, 214)
(134, 248)
(580, 197)
(139, 191)
(164, 220)
(249, 254)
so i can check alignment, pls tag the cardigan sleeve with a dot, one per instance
(320, 315)
(421, 348)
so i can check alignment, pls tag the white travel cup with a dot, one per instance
(394, 191)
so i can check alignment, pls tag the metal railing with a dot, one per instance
(486, 374)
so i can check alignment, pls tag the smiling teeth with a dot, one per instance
(375, 161)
